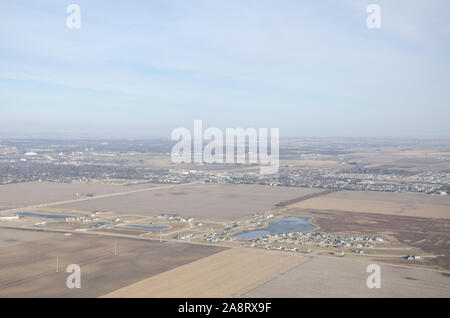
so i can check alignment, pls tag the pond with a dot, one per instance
(47, 216)
(285, 225)
(146, 227)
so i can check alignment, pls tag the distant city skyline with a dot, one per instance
(144, 68)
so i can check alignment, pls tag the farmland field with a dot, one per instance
(404, 204)
(218, 275)
(29, 193)
(336, 277)
(29, 267)
(209, 201)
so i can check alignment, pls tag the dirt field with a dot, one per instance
(210, 201)
(28, 267)
(30, 193)
(340, 277)
(429, 234)
(10, 237)
(218, 275)
(406, 204)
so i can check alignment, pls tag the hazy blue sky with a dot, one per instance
(310, 68)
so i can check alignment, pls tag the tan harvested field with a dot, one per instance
(11, 237)
(210, 201)
(28, 268)
(405, 204)
(218, 275)
(30, 193)
(320, 276)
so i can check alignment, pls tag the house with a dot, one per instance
(9, 217)
(412, 257)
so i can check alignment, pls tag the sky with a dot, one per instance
(143, 68)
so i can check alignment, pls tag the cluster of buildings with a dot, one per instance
(184, 236)
(262, 218)
(318, 239)
(213, 238)
(332, 178)
(80, 219)
(124, 162)
(179, 218)
(276, 247)
(412, 257)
